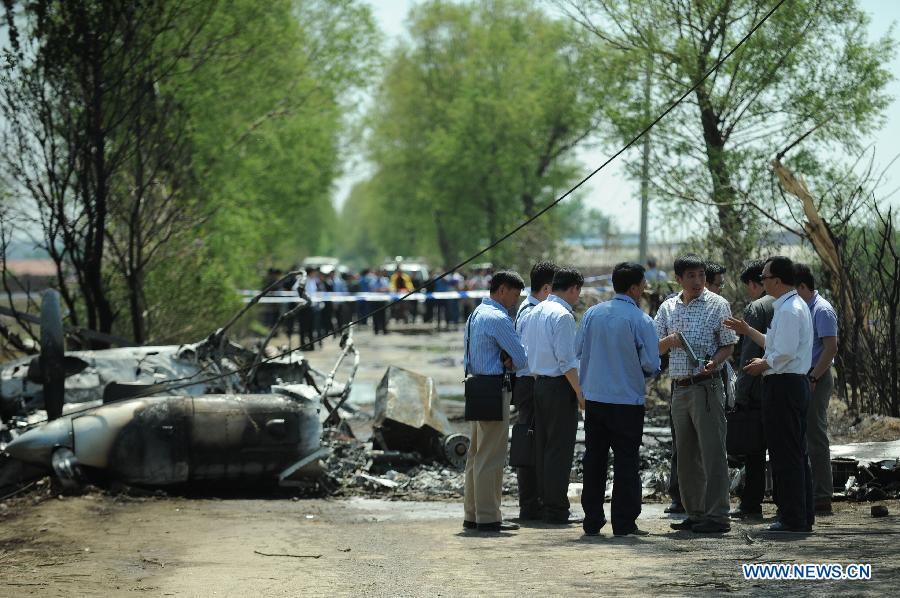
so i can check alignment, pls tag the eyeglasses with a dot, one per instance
(767, 277)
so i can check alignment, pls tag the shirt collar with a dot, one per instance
(813, 299)
(561, 301)
(781, 300)
(493, 303)
(701, 297)
(532, 299)
(626, 298)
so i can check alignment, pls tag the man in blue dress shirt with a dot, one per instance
(824, 348)
(489, 332)
(550, 335)
(523, 391)
(619, 350)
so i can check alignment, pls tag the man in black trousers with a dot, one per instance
(749, 390)
(786, 395)
(549, 335)
(523, 391)
(618, 349)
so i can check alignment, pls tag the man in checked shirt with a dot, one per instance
(698, 398)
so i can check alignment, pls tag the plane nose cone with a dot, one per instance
(37, 446)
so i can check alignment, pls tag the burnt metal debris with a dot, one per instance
(408, 418)
(239, 418)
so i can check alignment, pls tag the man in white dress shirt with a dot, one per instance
(549, 334)
(786, 396)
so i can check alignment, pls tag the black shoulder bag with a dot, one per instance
(484, 394)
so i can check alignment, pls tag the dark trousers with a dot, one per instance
(307, 328)
(674, 490)
(523, 399)
(379, 319)
(785, 404)
(754, 489)
(620, 428)
(555, 425)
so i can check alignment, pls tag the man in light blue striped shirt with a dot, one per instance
(523, 391)
(619, 350)
(492, 347)
(549, 334)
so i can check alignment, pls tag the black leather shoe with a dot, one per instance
(742, 512)
(684, 526)
(636, 531)
(675, 507)
(779, 526)
(469, 524)
(592, 529)
(498, 526)
(711, 527)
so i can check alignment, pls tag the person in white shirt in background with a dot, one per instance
(786, 394)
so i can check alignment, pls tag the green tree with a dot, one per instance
(474, 128)
(810, 64)
(152, 137)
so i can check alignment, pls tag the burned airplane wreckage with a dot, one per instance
(211, 412)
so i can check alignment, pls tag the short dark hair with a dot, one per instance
(651, 261)
(803, 275)
(542, 273)
(625, 275)
(566, 278)
(753, 272)
(508, 278)
(690, 261)
(782, 267)
(713, 269)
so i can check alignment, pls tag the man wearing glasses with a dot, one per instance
(786, 395)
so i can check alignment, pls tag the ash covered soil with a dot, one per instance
(405, 540)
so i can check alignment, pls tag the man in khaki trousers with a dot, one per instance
(492, 348)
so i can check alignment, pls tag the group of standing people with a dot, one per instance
(601, 368)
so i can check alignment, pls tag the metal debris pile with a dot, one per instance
(354, 468)
(878, 480)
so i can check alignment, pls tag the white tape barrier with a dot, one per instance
(291, 296)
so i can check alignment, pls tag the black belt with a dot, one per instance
(549, 377)
(783, 375)
(691, 380)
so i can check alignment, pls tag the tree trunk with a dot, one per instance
(729, 236)
(447, 253)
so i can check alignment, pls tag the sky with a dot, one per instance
(610, 190)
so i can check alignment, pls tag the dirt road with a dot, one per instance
(97, 545)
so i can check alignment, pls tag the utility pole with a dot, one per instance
(645, 170)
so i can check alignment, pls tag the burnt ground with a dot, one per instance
(100, 544)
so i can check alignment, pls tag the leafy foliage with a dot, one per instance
(473, 129)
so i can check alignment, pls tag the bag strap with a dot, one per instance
(468, 340)
(522, 312)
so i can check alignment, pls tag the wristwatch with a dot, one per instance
(812, 378)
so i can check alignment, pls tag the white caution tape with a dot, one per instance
(291, 296)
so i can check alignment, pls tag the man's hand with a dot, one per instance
(669, 342)
(812, 387)
(756, 366)
(506, 360)
(709, 367)
(738, 325)
(580, 397)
